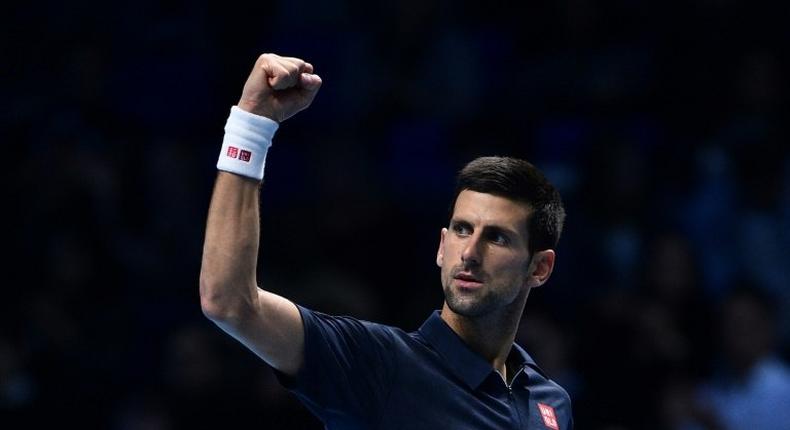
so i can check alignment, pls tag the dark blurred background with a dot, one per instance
(664, 124)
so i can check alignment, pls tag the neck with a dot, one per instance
(491, 335)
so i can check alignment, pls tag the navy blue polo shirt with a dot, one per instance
(362, 375)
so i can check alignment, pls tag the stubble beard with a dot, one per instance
(473, 304)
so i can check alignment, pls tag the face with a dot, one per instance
(484, 258)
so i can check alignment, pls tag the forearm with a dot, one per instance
(228, 285)
(269, 325)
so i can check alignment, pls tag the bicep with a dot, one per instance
(273, 330)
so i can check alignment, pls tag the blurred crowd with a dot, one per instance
(663, 124)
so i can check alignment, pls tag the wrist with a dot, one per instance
(257, 108)
(248, 137)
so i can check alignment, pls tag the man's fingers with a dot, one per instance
(278, 87)
(284, 72)
(284, 75)
(300, 64)
(309, 81)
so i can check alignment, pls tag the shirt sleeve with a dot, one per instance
(347, 368)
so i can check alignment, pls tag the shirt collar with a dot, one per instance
(465, 364)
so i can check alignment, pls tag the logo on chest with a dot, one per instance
(549, 417)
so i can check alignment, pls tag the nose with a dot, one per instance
(471, 255)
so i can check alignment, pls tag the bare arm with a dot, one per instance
(266, 323)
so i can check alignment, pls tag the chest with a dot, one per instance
(430, 399)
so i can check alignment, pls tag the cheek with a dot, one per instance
(515, 268)
(449, 251)
(446, 260)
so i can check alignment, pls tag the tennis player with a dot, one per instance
(461, 369)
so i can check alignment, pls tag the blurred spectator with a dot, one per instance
(751, 388)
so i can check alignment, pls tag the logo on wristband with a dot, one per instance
(242, 155)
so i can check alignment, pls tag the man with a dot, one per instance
(461, 369)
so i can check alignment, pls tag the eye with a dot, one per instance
(498, 238)
(461, 229)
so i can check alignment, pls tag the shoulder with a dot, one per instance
(547, 385)
(546, 391)
(558, 399)
(354, 330)
(540, 380)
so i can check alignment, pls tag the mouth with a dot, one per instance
(466, 280)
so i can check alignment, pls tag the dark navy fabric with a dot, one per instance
(362, 375)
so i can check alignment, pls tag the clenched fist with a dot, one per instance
(279, 87)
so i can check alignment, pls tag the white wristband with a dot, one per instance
(247, 138)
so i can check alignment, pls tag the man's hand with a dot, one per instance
(279, 87)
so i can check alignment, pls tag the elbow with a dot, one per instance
(210, 303)
(217, 304)
(213, 310)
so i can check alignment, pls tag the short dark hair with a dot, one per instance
(518, 180)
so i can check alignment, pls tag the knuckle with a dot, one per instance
(267, 58)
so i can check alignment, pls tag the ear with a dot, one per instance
(541, 268)
(440, 252)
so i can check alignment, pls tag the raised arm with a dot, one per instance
(269, 325)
